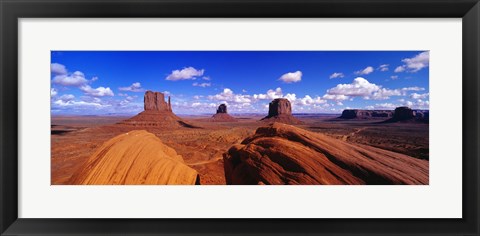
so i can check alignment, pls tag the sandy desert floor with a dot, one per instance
(74, 139)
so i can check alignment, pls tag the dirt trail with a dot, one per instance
(205, 162)
(345, 137)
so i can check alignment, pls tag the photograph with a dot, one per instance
(239, 117)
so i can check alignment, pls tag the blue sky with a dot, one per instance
(113, 82)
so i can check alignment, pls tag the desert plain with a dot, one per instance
(350, 151)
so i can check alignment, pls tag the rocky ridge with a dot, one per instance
(285, 154)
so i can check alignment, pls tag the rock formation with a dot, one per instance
(157, 113)
(403, 113)
(406, 114)
(222, 115)
(222, 109)
(366, 114)
(134, 158)
(280, 110)
(155, 101)
(284, 154)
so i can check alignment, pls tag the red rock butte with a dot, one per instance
(157, 113)
(285, 154)
(134, 158)
(280, 110)
(222, 115)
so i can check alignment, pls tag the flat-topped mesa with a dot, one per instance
(280, 110)
(155, 101)
(366, 114)
(406, 114)
(403, 113)
(222, 115)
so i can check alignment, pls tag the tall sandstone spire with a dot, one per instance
(169, 104)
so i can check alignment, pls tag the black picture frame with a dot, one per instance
(12, 10)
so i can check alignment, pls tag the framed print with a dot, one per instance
(256, 117)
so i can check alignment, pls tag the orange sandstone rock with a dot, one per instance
(134, 158)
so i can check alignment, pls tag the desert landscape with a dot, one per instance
(204, 133)
(158, 147)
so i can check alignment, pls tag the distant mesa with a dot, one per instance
(222, 115)
(134, 158)
(406, 114)
(366, 114)
(157, 113)
(400, 114)
(285, 154)
(280, 110)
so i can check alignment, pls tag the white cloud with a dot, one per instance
(399, 69)
(135, 87)
(188, 73)
(203, 85)
(383, 94)
(291, 77)
(291, 97)
(203, 105)
(337, 75)
(383, 67)
(270, 95)
(95, 78)
(336, 97)
(418, 62)
(53, 92)
(207, 78)
(419, 96)
(98, 92)
(229, 96)
(66, 97)
(307, 100)
(417, 104)
(58, 69)
(61, 103)
(77, 78)
(365, 71)
(394, 77)
(413, 89)
(359, 87)
(415, 63)
(385, 106)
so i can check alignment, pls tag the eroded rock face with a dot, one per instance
(136, 157)
(285, 154)
(155, 101)
(279, 106)
(222, 115)
(403, 113)
(366, 114)
(157, 113)
(280, 110)
(222, 109)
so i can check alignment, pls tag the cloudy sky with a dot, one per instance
(109, 82)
